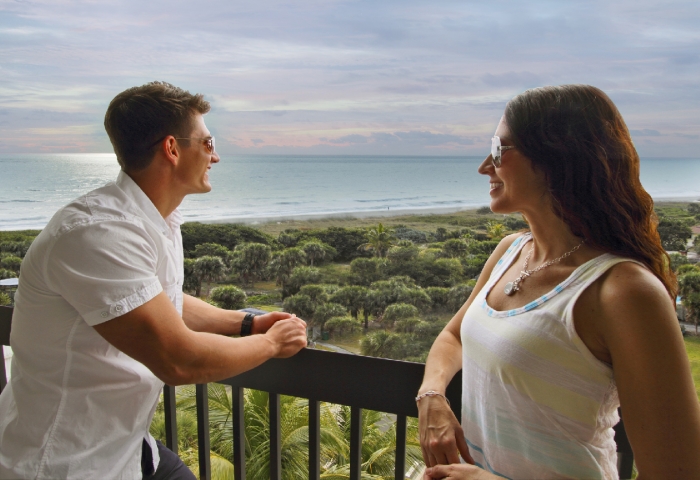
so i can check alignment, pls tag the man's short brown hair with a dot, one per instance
(139, 117)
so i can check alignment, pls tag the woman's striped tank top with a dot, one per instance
(536, 403)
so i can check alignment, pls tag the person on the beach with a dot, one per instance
(100, 319)
(567, 321)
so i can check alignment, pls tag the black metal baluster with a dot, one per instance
(625, 457)
(314, 439)
(170, 412)
(203, 431)
(238, 433)
(355, 443)
(400, 468)
(275, 438)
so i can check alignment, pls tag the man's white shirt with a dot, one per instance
(76, 407)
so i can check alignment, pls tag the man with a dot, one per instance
(100, 320)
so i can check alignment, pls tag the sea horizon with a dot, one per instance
(260, 188)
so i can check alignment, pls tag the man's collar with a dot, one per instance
(127, 184)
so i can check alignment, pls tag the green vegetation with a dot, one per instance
(378, 436)
(692, 346)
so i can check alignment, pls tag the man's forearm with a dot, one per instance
(200, 316)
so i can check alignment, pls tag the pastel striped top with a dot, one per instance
(536, 403)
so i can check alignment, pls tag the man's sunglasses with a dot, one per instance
(208, 142)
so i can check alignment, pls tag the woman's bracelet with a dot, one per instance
(432, 393)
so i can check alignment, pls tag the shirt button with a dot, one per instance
(118, 308)
(104, 314)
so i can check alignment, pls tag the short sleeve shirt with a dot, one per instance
(76, 407)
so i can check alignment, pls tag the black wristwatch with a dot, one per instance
(247, 324)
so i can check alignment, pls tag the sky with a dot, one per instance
(380, 77)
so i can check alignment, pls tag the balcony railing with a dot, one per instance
(352, 380)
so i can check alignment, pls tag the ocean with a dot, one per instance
(254, 188)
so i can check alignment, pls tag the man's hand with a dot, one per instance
(458, 471)
(441, 436)
(262, 323)
(288, 335)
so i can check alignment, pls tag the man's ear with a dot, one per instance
(171, 150)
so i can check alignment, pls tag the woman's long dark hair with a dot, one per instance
(577, 137)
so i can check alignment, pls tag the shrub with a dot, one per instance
(342, 326)
(483, 210)
(229, 297)
(11, 262)
(399, 311)
(5, 299)
(5, 273)
(327, 311)
(382, 344)
(406, 325)
(403, 232)
(687, 268)
(438, 295)
(458, 295)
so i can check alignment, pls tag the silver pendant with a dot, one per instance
(509, 290)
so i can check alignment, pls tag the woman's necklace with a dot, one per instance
(514, 286)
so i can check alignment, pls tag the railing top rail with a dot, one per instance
(367, 382)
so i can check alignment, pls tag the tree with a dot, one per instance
(212, 250)
(302, 276)
(317, 293)
(229, 297)
(674, 234)
(326, 311)
(687, 268)
(379, 240)
(317, 250)
(192, 282)
(677, 260)
(284, 263)
(454, 248)
(342, 326)
(416, 297)
(351, 297)
(398, 311)
(209, 269)
(249, 261)
(300, 305)
(367, 270)
(694, 208)
(689, 289)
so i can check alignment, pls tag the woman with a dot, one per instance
(567, 318)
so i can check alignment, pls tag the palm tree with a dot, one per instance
(315, 249)
(378, 430)
(379, 240)
(495, 230)
(250, 261)
(209, 269)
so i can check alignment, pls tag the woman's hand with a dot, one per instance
(458, 471)
(441, 436)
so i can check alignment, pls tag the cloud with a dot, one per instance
(645, 133)
(397, 72)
